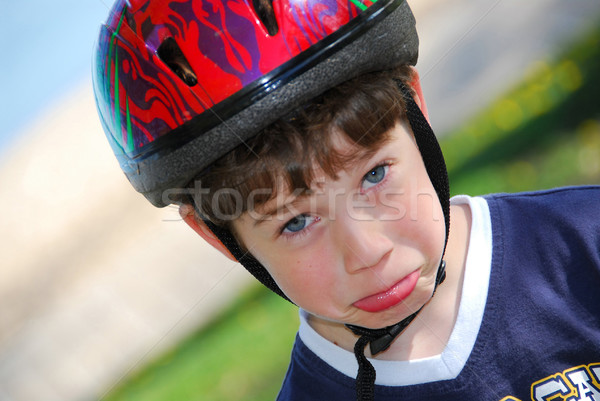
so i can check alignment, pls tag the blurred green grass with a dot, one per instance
(543, 133)
(242, 355)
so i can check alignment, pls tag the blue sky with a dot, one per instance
(47, 48)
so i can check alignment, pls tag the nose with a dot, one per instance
(363, 243)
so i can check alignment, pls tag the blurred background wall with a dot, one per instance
(94, 280)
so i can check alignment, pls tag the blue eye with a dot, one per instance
(296, 224)
(375, 176)
(300, 224)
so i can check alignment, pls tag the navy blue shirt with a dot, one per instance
(540, 334)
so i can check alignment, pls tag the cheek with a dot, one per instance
(419, 217)
(309, 276)
(432, 227)
(303, 276)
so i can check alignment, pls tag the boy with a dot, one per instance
(294, 137)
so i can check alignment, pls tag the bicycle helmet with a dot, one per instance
(180, 83)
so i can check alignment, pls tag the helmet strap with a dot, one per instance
(380, 339)
(245, 258)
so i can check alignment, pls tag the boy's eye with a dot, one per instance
(375, 176)
(296, 224)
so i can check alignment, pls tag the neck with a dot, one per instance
(429, 333)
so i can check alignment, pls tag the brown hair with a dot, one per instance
(363, 110)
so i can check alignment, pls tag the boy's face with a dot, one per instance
(362, 249)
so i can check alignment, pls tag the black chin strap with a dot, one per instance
(379, 340)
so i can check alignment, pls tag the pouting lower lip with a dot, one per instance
(391, 297)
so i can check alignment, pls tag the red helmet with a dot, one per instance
(179, 83)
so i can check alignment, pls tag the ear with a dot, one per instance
(188, 214)
(420, 99)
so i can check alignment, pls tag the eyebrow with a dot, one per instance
(270, 212)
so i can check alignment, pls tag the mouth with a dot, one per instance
(390, 297)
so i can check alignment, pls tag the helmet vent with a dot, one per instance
(170, 52)
(264, 10)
